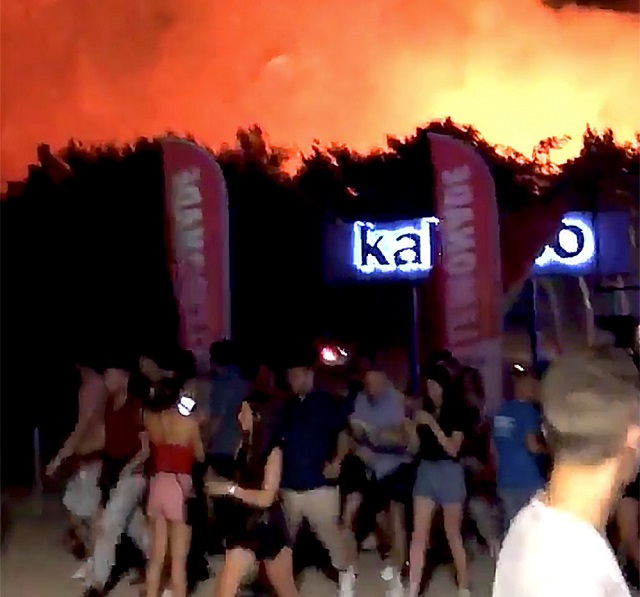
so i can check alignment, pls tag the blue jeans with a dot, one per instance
(121, 515)
(513, 500)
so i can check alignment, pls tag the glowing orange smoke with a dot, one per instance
(335, 70)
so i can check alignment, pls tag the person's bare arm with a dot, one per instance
(261, 498)
(345, 445)
(85, 423)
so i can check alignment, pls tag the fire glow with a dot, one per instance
(349, 72)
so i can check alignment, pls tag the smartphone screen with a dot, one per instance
(186, 404)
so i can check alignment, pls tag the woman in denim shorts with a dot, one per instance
(440, 427)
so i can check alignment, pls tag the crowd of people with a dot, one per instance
(183, 465)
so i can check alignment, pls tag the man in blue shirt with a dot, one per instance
(310, 424)
(380, 432)
(228, 390)
(517, 435)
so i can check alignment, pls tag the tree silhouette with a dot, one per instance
(83, 256)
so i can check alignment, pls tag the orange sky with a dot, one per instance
(334, 70)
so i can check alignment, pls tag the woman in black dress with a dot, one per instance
(259, 528)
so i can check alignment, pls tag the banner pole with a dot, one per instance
(414, 352)
(533, 323)
(37, 466)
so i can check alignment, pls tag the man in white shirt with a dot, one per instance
(556, 546)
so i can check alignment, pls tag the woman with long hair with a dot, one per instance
(175, 445)
(440, 427)
(258, 529)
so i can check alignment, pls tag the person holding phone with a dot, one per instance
(175, 444)
(257, 529)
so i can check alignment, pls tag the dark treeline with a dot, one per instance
(84, 264)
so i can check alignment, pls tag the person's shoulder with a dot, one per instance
(323, 397)
(399, 398)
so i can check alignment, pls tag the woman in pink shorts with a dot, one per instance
(175, 442)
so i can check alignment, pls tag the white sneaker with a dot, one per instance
(84, 570)
(347, 583)
(167, 593)
(391, 575)
(464, 593)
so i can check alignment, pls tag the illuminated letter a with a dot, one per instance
(397, 256)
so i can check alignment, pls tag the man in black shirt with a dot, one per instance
(310, 424)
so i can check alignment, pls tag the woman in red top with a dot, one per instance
(175, 443)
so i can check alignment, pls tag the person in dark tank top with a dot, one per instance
(258, 528)
(122, 481)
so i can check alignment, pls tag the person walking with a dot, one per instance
(556, 546)
(84, 445)
(309, 426)
(175, 444)
(517, 437)
(377, 489)
(440, 428)
(257, 529)
(222, 436)
(122, 480)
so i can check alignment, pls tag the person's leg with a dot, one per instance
(237, 563)
(423, 509)
(280, 572)
(366, 521)
(513, 500)
(452, 528)
(115, 518)
(159, 539)
(627, 519)
(197, 565)
(292, 502)
(352, 504)
(322, 508)
(77, 539)
(222, 465)
(483, 514)
(398, 534)
(179, 539)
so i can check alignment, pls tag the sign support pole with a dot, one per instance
(414, 350)
(533, 323)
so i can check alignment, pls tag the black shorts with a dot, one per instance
(397, 486)
(377, 494)
(264, 533)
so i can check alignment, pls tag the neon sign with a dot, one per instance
(574, 247)
(401, 248)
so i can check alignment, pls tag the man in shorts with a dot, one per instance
(377, 489)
